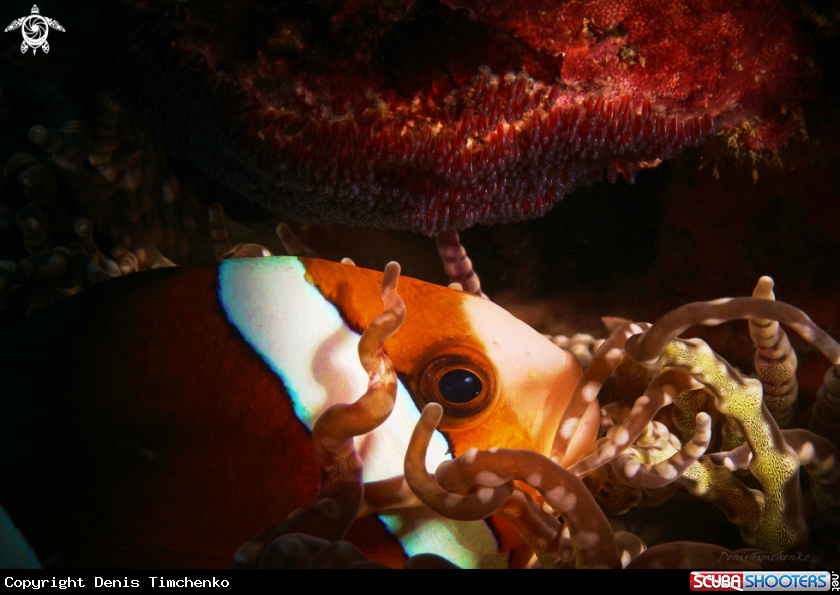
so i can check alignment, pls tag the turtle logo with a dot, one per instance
(35, 29)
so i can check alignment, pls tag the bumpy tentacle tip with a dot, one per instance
(415, 466)
(703, 421)
(613, 322)
(415, 457)
(391, 276)
(290, 241)
(697, 446)
(218, 231)
(38, 134)
(83, 227)
(456, 263)
(764, 288)
(390, 297)
(217, 213)
(481, 504)
(432, 414)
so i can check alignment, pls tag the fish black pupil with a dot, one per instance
(459, 386)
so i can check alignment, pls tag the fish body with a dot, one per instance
(164, 418)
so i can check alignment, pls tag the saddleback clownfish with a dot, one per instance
(164, 418)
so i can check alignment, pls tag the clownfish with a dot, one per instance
(164, 418)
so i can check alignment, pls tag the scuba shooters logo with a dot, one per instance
(35, 29)
(748, 580)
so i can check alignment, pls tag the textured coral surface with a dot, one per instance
(434, 116)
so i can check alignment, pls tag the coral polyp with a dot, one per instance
(436, 116)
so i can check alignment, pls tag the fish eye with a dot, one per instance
(463, 381)
(460, 386)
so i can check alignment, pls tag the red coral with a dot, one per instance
(729, 59)
(698, 56)
(437, 117)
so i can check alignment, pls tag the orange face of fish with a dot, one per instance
(163, 418)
